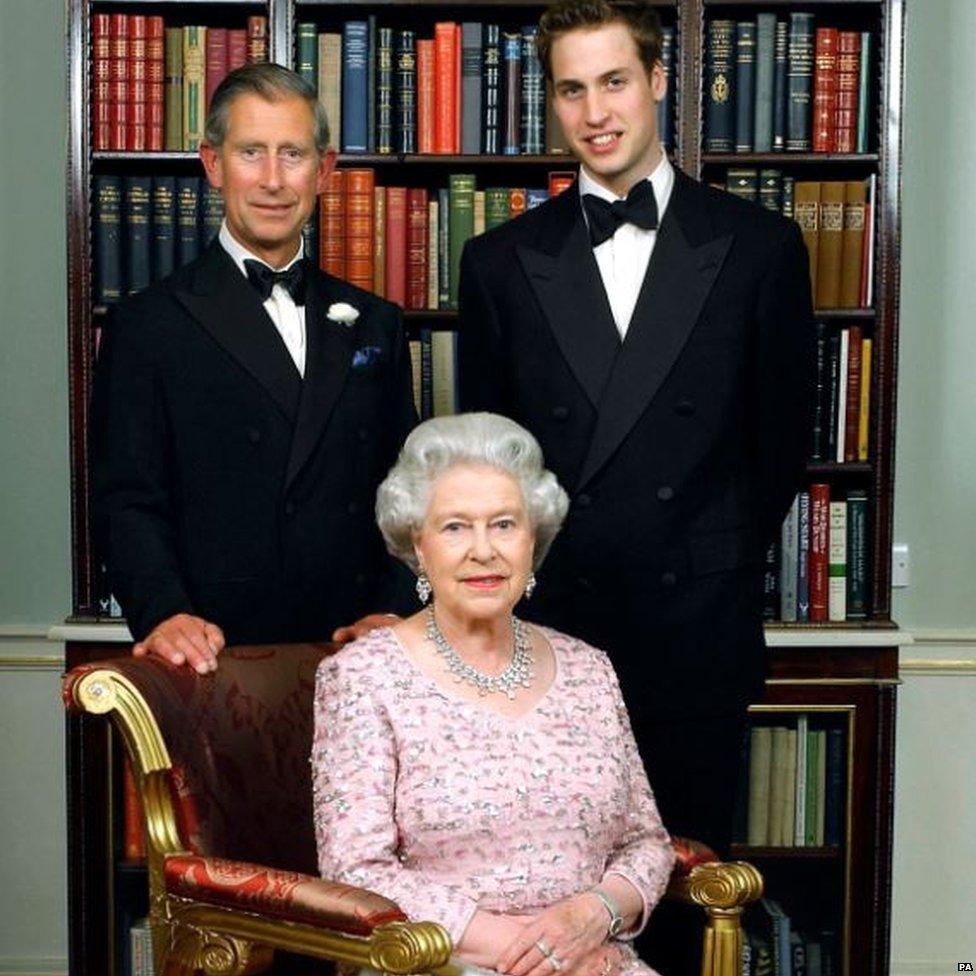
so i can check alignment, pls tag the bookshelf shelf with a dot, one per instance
(746, 853)
(827, 469)
(437, 159)
(843, 314)
(104, 156)
(790, 159)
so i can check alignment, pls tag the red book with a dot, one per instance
(825, 91)
(236, 49)
(155, 83)
(516, 202)
(396, 245)
(848, 80)
(445, 109)
(136, 137)
(359, 197)
(560, 180)
(819, 542)
(118, 81)
(101, 52)
(257, 39)
(425, 95)
(133, 833)
(855, 338)
(332, 226)
(216, 61)
(417, 227)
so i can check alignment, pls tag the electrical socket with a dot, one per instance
(901, 574)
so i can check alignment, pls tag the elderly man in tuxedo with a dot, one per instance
(655, 334)
(247, 407)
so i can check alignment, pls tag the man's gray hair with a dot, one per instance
(272, 82)
(467, 438)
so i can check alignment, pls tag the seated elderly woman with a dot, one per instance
(478, 770)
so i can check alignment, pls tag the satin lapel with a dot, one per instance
(567, 282)
(221, 300)
(679, 277)
(328, 355)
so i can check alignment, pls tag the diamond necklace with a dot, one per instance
(518, 674)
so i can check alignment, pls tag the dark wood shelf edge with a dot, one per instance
(718, 159)
(744, 852)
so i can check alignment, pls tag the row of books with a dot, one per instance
(144, 227)
(152, 84)
(773, 85)
(818, 570)
(471, 88)
(842, 407)
(836, 219)
(774, 946)
(405, 243)
(795, 786)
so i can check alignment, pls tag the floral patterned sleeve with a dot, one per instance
(643, 853)
(354, 768)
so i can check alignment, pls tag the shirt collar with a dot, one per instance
(662, 179)
(240, 254)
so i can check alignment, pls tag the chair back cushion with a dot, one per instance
(240, 740)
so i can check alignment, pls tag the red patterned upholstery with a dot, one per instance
(689, 854)
(283, 894)
(239, 740)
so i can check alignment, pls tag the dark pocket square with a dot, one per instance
(367, 357)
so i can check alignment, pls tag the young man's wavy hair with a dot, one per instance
(640, 18)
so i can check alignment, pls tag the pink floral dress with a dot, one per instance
(446, 806)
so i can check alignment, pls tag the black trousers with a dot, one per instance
(693, 767)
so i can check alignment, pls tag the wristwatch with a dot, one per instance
(616, 919)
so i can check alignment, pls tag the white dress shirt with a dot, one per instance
(288, 318)
(623, 259)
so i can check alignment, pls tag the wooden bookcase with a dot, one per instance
(848, 671)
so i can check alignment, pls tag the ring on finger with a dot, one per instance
(555, 962)
(607, 966)
(543, 947)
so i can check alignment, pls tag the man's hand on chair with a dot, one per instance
(184, 639)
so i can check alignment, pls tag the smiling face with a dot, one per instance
(269, 173)
(475, 544)
(606, 103)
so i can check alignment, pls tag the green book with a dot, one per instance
(460, 226)
(173, 125)
(857, 554)
(810, 798)
(194, 86)
(863, 93)
(496, 206)
(307, 54)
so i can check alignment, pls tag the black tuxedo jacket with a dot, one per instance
(227, 486)
(681, 447)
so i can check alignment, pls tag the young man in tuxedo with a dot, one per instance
(246, 408)
(655, 334)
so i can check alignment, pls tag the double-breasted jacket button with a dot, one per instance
(353, 508)
(684, 408)
(583, 501)
(363, 434)
(669, 578)
(290, 508)
(254, 435)
(584, 584)
(560, 413)
(665, 493)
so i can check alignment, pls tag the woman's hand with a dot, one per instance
(557, 939)
(606, 960)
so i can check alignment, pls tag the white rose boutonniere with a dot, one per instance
(343, 313)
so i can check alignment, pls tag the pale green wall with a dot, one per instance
(935, 499)
(35, 576)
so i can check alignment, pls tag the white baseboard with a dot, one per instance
(927, 967)
(33, 967)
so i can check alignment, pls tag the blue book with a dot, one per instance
(107, 238)
(780, 46)
(834, 791)
(187, 219)
(534, 197)
(533, 96)
(762, 136)
(355, 86)
(803, 560)
(665, 107)
(720, 87)
(745, 84)
(799, 83)
(490, 88)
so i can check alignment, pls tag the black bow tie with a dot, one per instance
(264, 279)
(640, 208)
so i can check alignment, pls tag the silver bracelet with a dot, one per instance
(616, 919)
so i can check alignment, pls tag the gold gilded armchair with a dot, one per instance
(221, 765)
